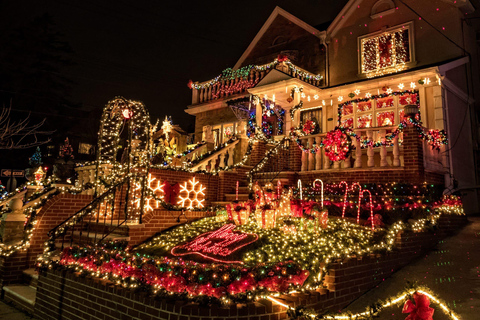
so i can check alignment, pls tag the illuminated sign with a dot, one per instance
(217, 245)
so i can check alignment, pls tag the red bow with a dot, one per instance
(419, 310)
(171, 192)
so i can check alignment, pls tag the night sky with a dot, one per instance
(148, 50)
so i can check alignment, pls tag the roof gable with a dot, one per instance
(277, 12)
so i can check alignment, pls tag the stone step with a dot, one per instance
(91, 235)
(30, 277)
(21, 296)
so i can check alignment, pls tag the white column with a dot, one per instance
(358, 154)
(318, 155)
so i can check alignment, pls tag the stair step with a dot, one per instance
(220, 203)
(91, 235)
(30, 277)
(22, 296)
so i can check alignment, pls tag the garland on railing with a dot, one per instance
(167, 276)
(339, 137)
(418, 310)
(244, 72)
(195, 147)
(206, 155)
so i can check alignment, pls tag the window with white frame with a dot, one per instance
(379, 111)
(314, 115)
(387, 51)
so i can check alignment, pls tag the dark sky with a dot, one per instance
(148, 50)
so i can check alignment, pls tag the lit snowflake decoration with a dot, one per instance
(357, 92)
(426, 80)
(191, 199)
(413, 85)
(389, 90)
(401, 86)
(340, 98)
(368, 95)
(156, 187)
(315, 97)
(303, 95)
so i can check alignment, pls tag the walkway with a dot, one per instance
(7, 312)
(451, 271)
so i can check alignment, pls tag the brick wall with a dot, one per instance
(158, 220)
(66, 295)
(55, 210)
(207, 180)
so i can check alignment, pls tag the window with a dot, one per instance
(312, 114)
(387, 52)
(85, 148)
(376, 112)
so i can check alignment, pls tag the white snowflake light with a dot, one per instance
(368, 95)
(315, 97)
(192, 194)
(426, 81)
(357, 92)
(389, 90)
(340, 98)
(401, 86)
(413, 85)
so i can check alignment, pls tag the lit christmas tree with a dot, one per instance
(36, 159)
(66, 151)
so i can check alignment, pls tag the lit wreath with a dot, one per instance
(338, 144)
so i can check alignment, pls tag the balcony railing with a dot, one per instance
(370, 157)
(230, 87)
(217, 160)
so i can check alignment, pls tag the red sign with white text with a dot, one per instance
(217, 245)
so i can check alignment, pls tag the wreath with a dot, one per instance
(338, 144)
(309, 127)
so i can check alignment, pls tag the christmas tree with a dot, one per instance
(36, 159)
(66, 151)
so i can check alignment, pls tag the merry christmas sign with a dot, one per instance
(218, 245)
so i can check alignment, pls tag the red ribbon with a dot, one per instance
(419, 310)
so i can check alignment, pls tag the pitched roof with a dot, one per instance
(276, 12)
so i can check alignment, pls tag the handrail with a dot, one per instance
(70, 223)
(279, 145)
(215, 154)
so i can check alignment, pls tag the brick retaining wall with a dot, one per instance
(66, 295)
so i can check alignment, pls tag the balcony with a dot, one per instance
(231, 87)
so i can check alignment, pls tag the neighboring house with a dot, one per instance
(373, 60)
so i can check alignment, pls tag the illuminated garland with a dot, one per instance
(177, 276)
(372, 312)
(244, 72)
(436, 138)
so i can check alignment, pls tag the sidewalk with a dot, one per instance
(7, 312)
(451, 271)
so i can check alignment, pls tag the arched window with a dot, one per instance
(382, 8)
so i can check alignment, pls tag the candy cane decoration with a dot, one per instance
(314, 182)
(345, 198)
(299, 184)
(279, 186)
(236, 192)
(371, 208)
(360, 195)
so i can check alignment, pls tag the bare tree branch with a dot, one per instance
(20, 135)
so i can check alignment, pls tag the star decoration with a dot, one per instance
(389, 90)
(401, 86)
(368, 95)
(413, 85)
(357, 92)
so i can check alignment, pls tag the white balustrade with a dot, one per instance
(383, 156)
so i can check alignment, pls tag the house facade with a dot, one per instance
(351, 87)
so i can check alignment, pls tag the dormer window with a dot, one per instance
(387, 51)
